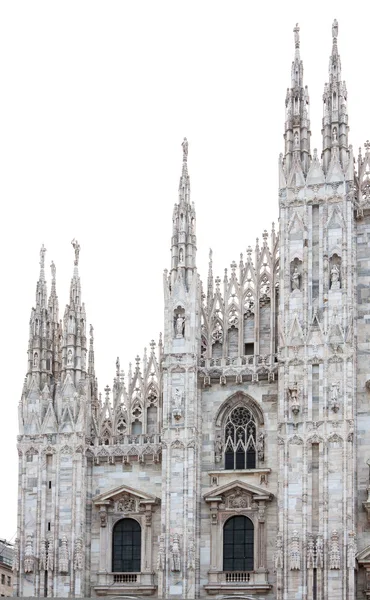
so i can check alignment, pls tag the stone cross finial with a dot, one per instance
(76, 247)
(185, 147)
(296, 35)
(42, 257)
(334, 29)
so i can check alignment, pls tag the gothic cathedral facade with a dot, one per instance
(233, 459)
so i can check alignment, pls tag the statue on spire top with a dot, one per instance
(53, 269)
(76, 247)
(42, 256)
(334, 29)
(296, 35)
(185, 147)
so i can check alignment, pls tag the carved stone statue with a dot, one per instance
(296, 279)
(335, 135)
(181, 256)
(279, 552)
(50, 548)
(43, 555)
(76, 247)
(42, 257)
(334, 553)
(180, 326)
(69, 357)
(185, 148)
(175, 553)
(295, 553)
(351, 550)
(191, 555)
(310, 553)
(28, 555)
(63, 555)
(118, 367)
(161, 556)
(334, 397)
(261, 446)
(334, 29)
(218, 448)
(296, 140)
(78, 559)
(334, 277)
(36, 360)
(319, 552)
(53, 269)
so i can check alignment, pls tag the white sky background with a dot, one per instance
(95, 100)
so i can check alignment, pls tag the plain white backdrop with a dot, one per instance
(95, 100)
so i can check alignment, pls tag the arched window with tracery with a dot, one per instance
(126, 555)
(238, 544)
(240, 439)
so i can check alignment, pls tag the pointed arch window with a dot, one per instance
(238, 544)
(240, 439)
(126, 555)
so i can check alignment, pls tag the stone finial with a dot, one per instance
(76, 247)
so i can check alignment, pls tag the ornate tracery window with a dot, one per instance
(240, 439)
(238, 544)
(126, 555)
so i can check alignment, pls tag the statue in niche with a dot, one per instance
(175, 553)
(334, 397)
(261, 446)
(334, 278)
(296, 140)
(295, 279)
(181, 255)
(179, 324)
(177, 397)
(335, 135)
(36, 360)
(69, 357)
(218, 448)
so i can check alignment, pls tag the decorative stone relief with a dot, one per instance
(16, 556)
(103, 517)
(175, 553)
(295, 553)
(63, 555)
(161, 557)
(126, 503)
(239, 499)
(278, 560)
(28, 555)
(334, 553)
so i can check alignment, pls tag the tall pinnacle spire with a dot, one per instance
(183, 246)
(297, 124)
(184, 187)
(335, 116)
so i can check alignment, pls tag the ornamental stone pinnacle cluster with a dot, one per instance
(232, 457)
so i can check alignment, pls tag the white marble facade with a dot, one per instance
(252, 411)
